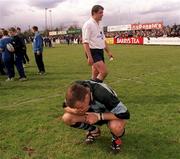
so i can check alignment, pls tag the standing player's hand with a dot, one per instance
(90, 61)
(110, 55)
(92, 118)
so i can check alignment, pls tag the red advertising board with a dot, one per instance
(137, 41)
(147, 26)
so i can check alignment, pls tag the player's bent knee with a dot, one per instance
(117, 124)
(67, 118)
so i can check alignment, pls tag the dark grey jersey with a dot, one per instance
(104, 99)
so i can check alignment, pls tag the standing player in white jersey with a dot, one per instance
(94, 44)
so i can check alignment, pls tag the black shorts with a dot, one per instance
(97, 55)
(102, 122)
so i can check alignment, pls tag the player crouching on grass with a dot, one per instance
(89, 103)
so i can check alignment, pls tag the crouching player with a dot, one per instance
(88, 104)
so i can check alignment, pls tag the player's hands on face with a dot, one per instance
(75, 111)
(90, 61)
(91, 118)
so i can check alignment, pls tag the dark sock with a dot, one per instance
(115, 137)
(84, 126)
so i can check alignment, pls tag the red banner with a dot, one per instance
(138, 41)
(147, 26)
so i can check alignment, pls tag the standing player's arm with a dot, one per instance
(109, 53)
(88, 53)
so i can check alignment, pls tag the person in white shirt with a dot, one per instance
(94, 44)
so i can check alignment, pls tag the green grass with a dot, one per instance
(147, 80)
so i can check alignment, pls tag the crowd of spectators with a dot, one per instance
(167, 31)
(67, 39)
(58, 39)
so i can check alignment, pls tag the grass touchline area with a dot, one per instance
(146, 79)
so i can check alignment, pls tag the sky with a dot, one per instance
(26, 13)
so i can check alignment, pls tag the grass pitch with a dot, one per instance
(146, 78)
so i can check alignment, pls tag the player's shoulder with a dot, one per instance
(38, 36)
(104, 89)
(88, 23)
(7, 40)
(17, 38)
(87, 83)
(83, 82)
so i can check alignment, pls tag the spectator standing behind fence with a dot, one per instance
(38, 50)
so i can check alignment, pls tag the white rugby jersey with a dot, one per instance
(92, 33)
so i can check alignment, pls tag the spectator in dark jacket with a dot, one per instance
(18, 45)
(22, 37)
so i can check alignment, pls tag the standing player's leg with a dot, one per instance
(94, 73)
(102, 70)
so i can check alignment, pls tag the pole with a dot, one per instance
(46, 20)
(50, 12)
